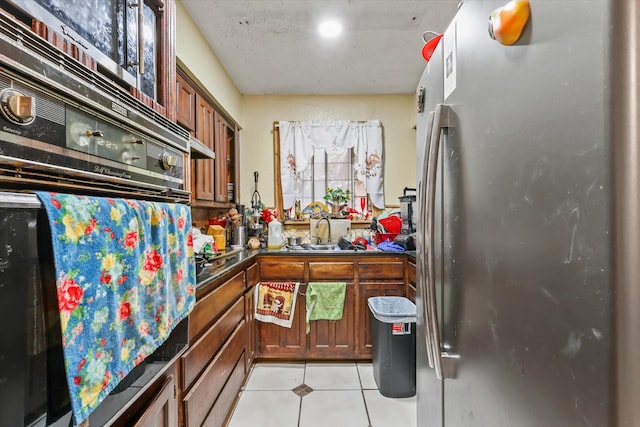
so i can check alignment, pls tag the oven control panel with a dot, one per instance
(40, 127)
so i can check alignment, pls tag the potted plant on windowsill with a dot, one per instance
(336, 197)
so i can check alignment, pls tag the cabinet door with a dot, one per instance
(204, 168)
(277, 342)
(250, 335)
(368, 290)
(223, 159)
(335, 338)
(186, 104)
(163, 410)
(411, 281)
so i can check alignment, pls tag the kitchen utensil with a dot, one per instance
(239, 236)
(407, 213)
(294, 240)
(256, 203)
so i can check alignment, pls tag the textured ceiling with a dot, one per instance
(272, 46)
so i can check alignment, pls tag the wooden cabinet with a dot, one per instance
(251, 337)
(203, 169)
(225, 160)
(163, 409)
(217, 340)
(347, 338)
(278, 342)
(158, 405)
(334, 338)
(376, 278)
(411, 281)
(214, 181)
(185, 104)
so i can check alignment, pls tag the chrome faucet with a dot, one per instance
(328, 229)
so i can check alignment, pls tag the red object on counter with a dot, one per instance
(391, 223)
(383, 237)
(222, 222)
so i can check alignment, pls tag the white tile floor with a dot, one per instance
(344, 395)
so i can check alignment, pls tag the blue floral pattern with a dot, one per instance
(125, 277)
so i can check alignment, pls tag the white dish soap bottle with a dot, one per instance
(274, 241)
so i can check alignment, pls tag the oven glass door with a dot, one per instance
(113, 29)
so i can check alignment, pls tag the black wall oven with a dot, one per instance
(33, 388)
(65, 127)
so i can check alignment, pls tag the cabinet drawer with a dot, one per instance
(206, 390)
(209, 308)
(221, 408)
(253, 275)
(380, 270)
(411, 273)
(330, 270)
(203, 350)
(282, 271)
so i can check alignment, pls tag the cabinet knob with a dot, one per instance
(94, 133)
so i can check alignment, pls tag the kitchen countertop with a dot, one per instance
(230, 260)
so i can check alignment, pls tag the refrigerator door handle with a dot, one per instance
(421, 266)
(440, 121)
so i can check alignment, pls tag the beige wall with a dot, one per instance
(195, 54)
(396, 112)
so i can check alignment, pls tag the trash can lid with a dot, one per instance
(392, 309)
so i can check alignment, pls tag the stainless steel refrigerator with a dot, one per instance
(528, 220)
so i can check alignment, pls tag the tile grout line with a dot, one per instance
(304, 379)
(366, 408)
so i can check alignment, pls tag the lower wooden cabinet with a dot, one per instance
(348, 338)
(368, 290)
(158, 406)
(201, 398)
(163, 409)
(285, 343)
(214, 366)
(335, 338)
(411, 281)
(251, 337)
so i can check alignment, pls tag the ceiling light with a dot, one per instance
(330, 28)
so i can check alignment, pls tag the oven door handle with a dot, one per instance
(141, 37)
(19, 200)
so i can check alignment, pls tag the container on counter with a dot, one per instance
(275, 239)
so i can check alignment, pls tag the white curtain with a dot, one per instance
(299, 139)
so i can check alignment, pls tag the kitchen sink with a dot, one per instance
(320, 246)
(313, 247)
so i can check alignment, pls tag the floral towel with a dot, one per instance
(125, 275)
(276, 302)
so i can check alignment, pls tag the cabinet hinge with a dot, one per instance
(175, 392)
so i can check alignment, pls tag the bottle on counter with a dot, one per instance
(275, 239)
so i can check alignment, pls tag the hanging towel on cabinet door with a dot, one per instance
(125, 278)
(325, 301)
(276, 302)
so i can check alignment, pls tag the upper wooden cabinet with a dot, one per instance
(213, 182)
(185, 104)
(225, 160)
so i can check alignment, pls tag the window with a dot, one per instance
(314, 156)
(327, 170)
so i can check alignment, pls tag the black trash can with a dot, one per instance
(393, 345)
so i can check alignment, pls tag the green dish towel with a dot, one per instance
(325, 300)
